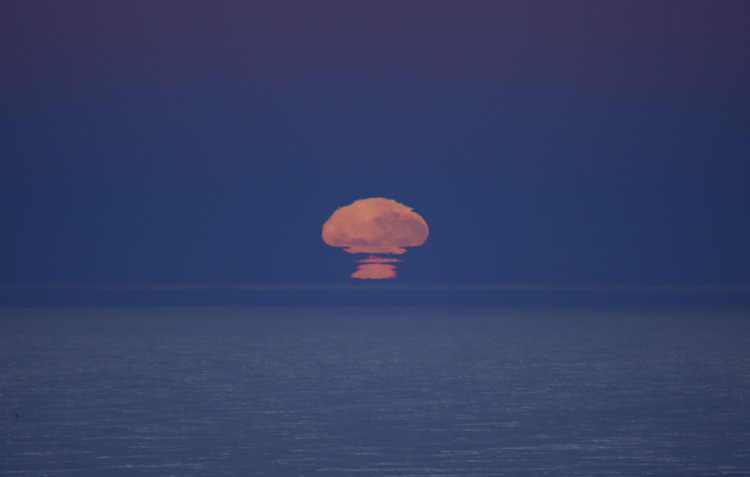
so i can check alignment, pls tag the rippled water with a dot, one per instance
(374, 392)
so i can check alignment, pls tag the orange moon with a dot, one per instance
(375, 226)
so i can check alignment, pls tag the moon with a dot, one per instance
(375, 226)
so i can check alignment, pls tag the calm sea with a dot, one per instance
(378, 391)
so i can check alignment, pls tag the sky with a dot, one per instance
(543, 142)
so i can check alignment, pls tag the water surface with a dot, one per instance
(378, 391)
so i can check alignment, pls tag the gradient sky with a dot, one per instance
(207, 142)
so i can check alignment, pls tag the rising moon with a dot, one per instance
(375, 226)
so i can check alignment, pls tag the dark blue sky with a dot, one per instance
(207, 142)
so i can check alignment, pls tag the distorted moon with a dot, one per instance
(375, 226)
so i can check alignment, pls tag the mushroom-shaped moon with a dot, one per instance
(375, 225)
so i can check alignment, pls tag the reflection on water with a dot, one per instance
(373, 392)
(374, 267)
(374, 271)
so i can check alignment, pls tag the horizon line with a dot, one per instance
(478, 287)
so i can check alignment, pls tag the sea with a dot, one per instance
(378, 391)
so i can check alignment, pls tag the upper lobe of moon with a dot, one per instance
(375, 226)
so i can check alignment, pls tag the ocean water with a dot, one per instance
(376, 392)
